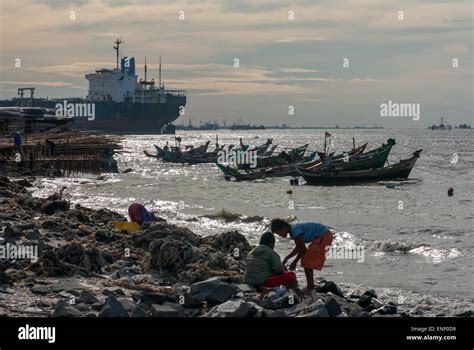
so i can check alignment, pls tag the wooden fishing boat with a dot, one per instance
(400, 170)
(200, 154)
(373, 159)
(279, 171)
(354, 151)
(295, 155)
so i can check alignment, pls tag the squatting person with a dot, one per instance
(138, 213)
(264, 268)
(313, 257)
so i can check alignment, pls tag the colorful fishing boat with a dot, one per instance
(336, 176)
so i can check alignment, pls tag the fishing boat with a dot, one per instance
(400, 170)
(278, 171)
(201, 154)
(373, 159)
(261, 149)
(294, 155)
(353, 151)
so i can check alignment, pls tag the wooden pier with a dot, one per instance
(59, 150)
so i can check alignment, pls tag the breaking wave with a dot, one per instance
(231, 217)
(436, 254)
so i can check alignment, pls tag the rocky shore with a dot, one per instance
(64, 260)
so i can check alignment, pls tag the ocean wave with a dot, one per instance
(232, 217)
(393, 246)
(344, 240)
(436, 254)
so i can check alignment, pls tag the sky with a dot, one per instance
(330, 62)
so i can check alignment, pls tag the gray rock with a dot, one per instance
(82, 307)
(206, 286)
(138, 312)
(88, 297)
(365, 301)
(51, 207)
(67, 284)
(97, 306)
(322, 312)
(201, 296)
(416, 311)
(118, 292)
(246, 288)
(112, 308)
(64, 309)
(332, 307)
(275, 313)
(229, 306)
(388, 309)
(155, 298)
(32, 235)
(330, 287)
(286, 301)
(11, 233)
(371, 293)
(74, 292)
(41, 289)
(237, 308)
(192, 301)
(221, 293)
(164, 311)
(177, 307)
(128, 304)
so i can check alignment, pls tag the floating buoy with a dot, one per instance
(289, 192)
(450, 192)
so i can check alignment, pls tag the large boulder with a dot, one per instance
(113, 308)
(164, 311)
(235, 308)
(65, 309)
(221, 293)
(206, 286)
(51, 207)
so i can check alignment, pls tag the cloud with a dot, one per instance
(278, 56)
(42, 83)
(295, 40)
(297, 70)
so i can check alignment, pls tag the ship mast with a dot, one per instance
(160, 74)
(145, 72)
(117, 48)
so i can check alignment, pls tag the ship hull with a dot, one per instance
(120, 117)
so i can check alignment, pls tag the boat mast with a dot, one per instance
(117, 48)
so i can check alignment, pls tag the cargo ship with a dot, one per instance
(120, 102)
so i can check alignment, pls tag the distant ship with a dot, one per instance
(463, 126)
(239, 125)
(122, 103)
(441, 126)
